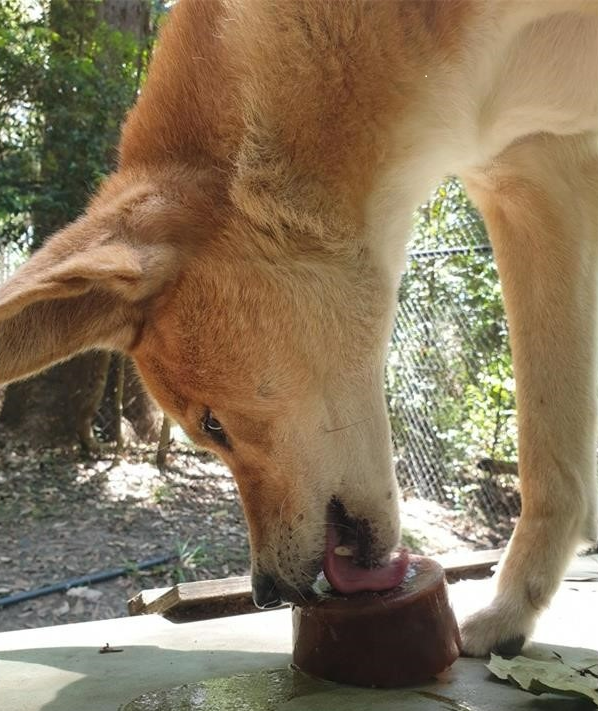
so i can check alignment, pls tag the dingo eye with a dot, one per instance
(212, 427)
(211, 424)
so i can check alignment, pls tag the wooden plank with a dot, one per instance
(473, 564)
(230, 596)
(138, 605)
(201, 600)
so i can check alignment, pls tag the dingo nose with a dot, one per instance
(265, 591)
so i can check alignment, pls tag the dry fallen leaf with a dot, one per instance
(574, 675)
(85, 593)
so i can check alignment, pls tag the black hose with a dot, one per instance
(84, 580)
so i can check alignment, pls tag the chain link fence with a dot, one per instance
(449, 379)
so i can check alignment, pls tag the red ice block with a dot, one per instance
(398, 637)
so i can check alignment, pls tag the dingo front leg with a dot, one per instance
(539, 199)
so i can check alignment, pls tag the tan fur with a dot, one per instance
(246, 253)
(534, 197)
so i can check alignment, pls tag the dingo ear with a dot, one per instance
(80, 291)
(132, 272)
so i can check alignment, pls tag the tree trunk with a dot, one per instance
(59, 406)
(131, 16)
(118, 402)
(163, 443)
(57, 409)
(138, 409)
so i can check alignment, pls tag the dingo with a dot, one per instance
(247, 250)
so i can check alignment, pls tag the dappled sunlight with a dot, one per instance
(140, 482)
(125, 480)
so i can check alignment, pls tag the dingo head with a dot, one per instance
(267, 350)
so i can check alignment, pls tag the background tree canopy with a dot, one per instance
(69, 70)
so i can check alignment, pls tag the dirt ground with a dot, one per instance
(63, 517)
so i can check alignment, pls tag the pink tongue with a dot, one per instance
(347, 578)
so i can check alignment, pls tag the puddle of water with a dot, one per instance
(262, 691)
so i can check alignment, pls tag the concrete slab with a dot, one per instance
(61, 669)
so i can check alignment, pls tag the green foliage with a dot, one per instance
(67, 79)
(449, 376)
(23, 51)
(190, 557)
(92, 77)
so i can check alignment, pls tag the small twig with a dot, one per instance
(582, 672)
(588, 671)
